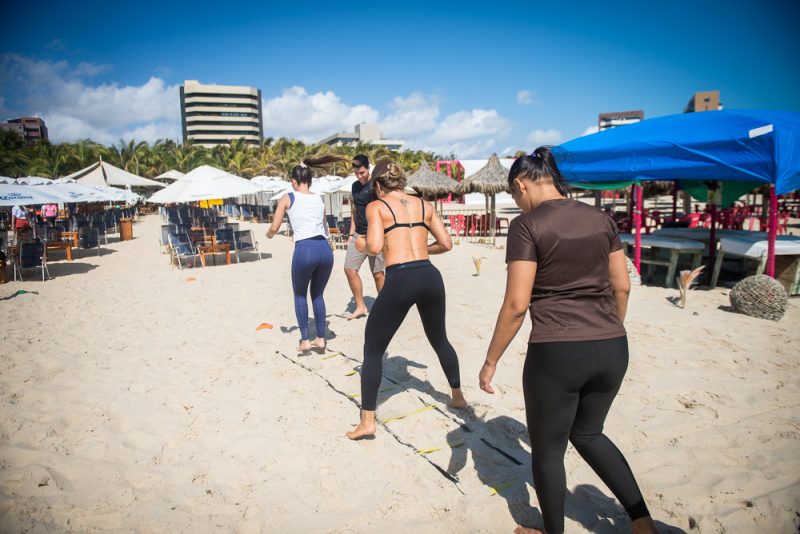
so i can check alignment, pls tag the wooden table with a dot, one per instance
(73, 236)
(60, 245)
(215, 249)
(675, 246)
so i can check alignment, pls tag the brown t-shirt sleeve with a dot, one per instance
(613, 236)
(521, 244)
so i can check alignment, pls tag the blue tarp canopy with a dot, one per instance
(761, 147)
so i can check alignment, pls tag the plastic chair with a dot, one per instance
(181, 247)
(225, 236)
(246, 242)
(31, 256)
(101, 230)
(89, 238)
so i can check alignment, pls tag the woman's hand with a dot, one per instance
(485, 377)
(361, 243)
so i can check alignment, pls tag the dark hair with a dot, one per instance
(390, 175)
(361, 161)
(539, 166)
(302, 173)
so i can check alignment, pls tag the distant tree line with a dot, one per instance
(269, 158)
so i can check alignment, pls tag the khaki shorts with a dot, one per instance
(354, 259)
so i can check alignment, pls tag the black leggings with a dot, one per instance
(569, 388)
(415, 282)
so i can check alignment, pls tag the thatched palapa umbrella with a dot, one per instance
(430, 184)
(490, 180)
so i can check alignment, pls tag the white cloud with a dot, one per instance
(466, 125)
(411, 116)
(311, 117)
(590, 130)
(545, 137)
(524, 97)
(74, 109)
(90, 69)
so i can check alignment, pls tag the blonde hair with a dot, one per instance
(389, 175)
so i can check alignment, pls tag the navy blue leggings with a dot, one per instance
(569, 387)
(312, 263)
(407, 284)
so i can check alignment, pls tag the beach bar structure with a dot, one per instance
(752, 147)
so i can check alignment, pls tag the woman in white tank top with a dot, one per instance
(312, 260)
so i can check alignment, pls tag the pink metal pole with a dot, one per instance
(712, 238)
(637, 221)
(773, 231)
(674, 200)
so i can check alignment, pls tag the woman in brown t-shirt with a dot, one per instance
(566, 264)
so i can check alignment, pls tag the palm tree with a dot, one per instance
(82, 154)
(50, 161)
(129, 154)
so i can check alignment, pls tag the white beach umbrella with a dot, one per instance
(171, 174)
(33, 180)
(97, 193)
(25, 195)
(204, 183)
(103, 173)
(346, 185)
(271, 184)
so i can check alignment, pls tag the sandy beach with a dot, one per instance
(136, 397)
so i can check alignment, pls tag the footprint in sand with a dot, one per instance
(697, 408)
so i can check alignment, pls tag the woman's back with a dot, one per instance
(306, 215)
(406, 222)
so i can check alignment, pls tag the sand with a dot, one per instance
(136, 399)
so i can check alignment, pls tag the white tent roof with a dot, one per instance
(99, 193)
(33, 180)
(103, 173)
(13, 194)
(204, 183)
(171, 174)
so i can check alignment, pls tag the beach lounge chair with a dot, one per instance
(245, 242)
(181, 247)
(89, 238)
(225, 236)
(101, 230)
(31, 256)
(164, 239)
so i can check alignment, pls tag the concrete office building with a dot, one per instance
(217, 114)
(31, 129)
(704, 101)
(366, 132)
(619, 118)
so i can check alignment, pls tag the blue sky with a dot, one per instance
(462, 77)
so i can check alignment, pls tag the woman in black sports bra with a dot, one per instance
(398, 225)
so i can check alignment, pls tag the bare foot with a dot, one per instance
(527, 530)
(458, 400)
(644, 525)
(365, 428)
(318, 343)
(361, 431)
(360, 312)
(305, 346)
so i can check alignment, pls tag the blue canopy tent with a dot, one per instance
(760, 147)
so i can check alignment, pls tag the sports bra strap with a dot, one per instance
(390, 210)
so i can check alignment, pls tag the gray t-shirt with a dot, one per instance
(570, 242)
